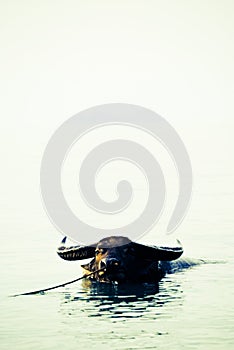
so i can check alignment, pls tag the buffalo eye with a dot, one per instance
(100, 251)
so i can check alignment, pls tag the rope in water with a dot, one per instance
(59, 285)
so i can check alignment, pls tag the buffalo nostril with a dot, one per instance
(112, 263)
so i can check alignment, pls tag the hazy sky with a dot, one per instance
(60, 57)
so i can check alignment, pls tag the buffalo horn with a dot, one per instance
(75, 252)
(157, 252)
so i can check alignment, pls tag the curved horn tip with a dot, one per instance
(64, 240)
(178, 241)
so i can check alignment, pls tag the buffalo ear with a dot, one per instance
(75, 252)
(157, 253)
(87, 267)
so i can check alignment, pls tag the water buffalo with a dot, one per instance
(122, 260)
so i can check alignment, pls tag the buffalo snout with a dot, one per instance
(110, 264)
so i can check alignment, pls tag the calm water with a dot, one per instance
(192, 309)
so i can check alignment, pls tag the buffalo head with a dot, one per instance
(121, 259)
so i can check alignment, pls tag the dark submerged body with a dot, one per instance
(124, 261)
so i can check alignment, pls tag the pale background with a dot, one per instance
(175, 57)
